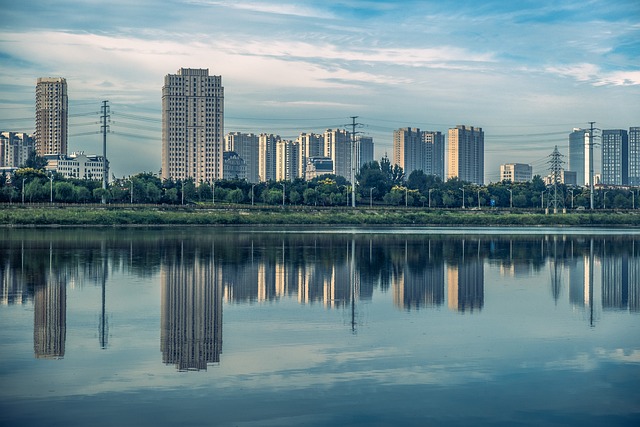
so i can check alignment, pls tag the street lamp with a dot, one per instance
(283, 193)
(478, 197)
(633, 199)
(51, 187)
(213, 197)
(510, 197)
(430, 190)
(571, 191)
(462, 197)
(252, 187)
(604, 200)
(371, 197)
(406, 196)
(542, 200)
(23, 180)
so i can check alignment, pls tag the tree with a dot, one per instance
(310, 196)
(82, 194)
(35, 191)
(34, 161)
(65, 192)
(294, 197)
(235, 196)
(153, 193)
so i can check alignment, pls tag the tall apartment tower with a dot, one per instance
(408, 149)
(433, 153)
(465, 157)
(52, 112)
(192, 126)
(267, 156)
(14, 148)
(615, 157)
(364, 150)
(337, 146)
(287, 160)
(578, 154)
(634, 156)
(247, 146)
(311, 145)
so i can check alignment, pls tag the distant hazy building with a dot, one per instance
(192, 126)
(317, 166)
(247, 146)
(615, 157)
(337, 146)
(364, 150)
(234, 166)
(578, 154)
(565, 177)
(267, 156)
(516, 172)
(287, 160)
(311, 145)
(14, 149)
(52, 112)
(465, 156)
(434, 153)
(634, 156)
(76, 165)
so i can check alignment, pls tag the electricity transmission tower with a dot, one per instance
(556, 201)
(104, 127)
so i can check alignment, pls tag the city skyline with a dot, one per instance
(525, 75)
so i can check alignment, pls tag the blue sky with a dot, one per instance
(527, 72)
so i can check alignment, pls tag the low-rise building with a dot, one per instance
(76, 165)
(516, 172)
(317, 166)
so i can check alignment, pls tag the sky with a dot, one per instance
(527, 72)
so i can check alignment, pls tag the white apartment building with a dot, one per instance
(516, 172)
(76, 165)
(14, 149)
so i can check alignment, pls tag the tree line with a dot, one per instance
(378, 183)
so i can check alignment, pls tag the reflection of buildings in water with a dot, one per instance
(615, 282)
(465, 277)
(191, 317)
(50, 319)
(12, 286)
(465, 285)
(415, 290)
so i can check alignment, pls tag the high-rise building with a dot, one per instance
(14, 149)
(52, 105)
(516, 172)
(247, 146)
(578, 154)
(408, 149)
(267, 156)
(311, 145)
(337, 146)
(615, 157)
(192, 126)
(287, 160)
(465, 156)
(634, 156)
(433, 153)
(364, 150)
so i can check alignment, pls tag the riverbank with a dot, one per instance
(20, 216)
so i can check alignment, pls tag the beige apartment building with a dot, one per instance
(192, 126)
(52, 112)
(465, 154)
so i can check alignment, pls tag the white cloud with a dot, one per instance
(593, 74)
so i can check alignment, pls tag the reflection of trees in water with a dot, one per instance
(260, 265)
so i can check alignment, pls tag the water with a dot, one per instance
(244, 327)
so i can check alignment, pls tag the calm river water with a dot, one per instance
(243, 327)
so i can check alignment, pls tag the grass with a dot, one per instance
(119, 216)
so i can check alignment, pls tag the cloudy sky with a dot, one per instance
(527, 72)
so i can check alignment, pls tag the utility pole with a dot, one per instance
(591, 165)
(104, 110)
(353, 160)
